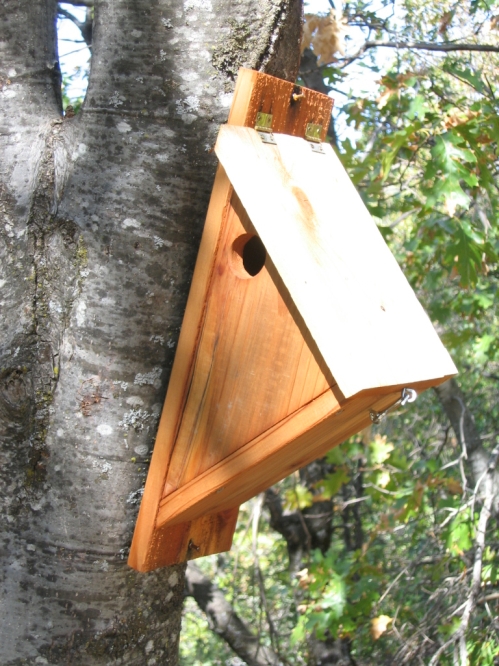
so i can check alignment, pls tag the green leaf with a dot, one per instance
(459, 533)
(335, 456)
(447, 169)
(467, 75)
(382, 478)
(469, 256)
(333, 482)
(450, 628)
(298, 634)
(298, 497)
(453, 196)
(334, 597)
(449, 153)
(482, 348)
(396, 141)
(418, 108)
(379, 450)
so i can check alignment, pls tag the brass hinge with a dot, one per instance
(263, 125)
(313, 134)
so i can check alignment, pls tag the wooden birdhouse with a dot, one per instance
(300, 328)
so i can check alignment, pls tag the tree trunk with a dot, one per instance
(474, 453)
(101, 217)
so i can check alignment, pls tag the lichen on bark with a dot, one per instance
(266, 40)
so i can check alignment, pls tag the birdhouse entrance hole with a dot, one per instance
(248, 256)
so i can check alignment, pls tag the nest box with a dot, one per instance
(300, 327)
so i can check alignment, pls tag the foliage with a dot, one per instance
(394, 597)
(68, 99)
(424, 156)
(430, 177)
(256, 579)
(74, 29)
(200, 646)
(421, 534)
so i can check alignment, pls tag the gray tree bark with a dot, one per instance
(101, 217)
(475, 455)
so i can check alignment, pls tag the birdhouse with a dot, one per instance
(300, 328)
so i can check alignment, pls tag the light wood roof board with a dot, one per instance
(345, 282)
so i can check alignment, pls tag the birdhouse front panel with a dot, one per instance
(299, 326)
(233, 396)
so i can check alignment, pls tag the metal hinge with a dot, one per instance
(263, 125)
(313, 136)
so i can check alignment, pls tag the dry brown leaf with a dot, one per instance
(494, 23)
(454, 487)
(385, 96)
(379, 625)
(304, 578)
(445, 21)
(325, 34)
(457, 117)
(392, 87)
(311, 24)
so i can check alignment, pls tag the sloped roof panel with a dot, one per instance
(357, 304)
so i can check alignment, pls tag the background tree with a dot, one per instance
(101, 216)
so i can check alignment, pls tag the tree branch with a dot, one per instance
(418, 46)
(85, 27)
(64, 12)
(428, 46)
(80, 3)
(289, 526)
(225, 622)
(263, 597)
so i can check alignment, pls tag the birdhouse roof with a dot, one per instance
(353, 297)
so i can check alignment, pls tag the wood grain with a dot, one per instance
(253, 367)
(260, 92)
(144, 546)
(290, 445)
(365, 318)
(156, 546)
(251, 465)
(205, 535)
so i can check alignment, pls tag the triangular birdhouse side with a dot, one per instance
(293, 293)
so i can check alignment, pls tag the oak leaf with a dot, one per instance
(325, 34)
